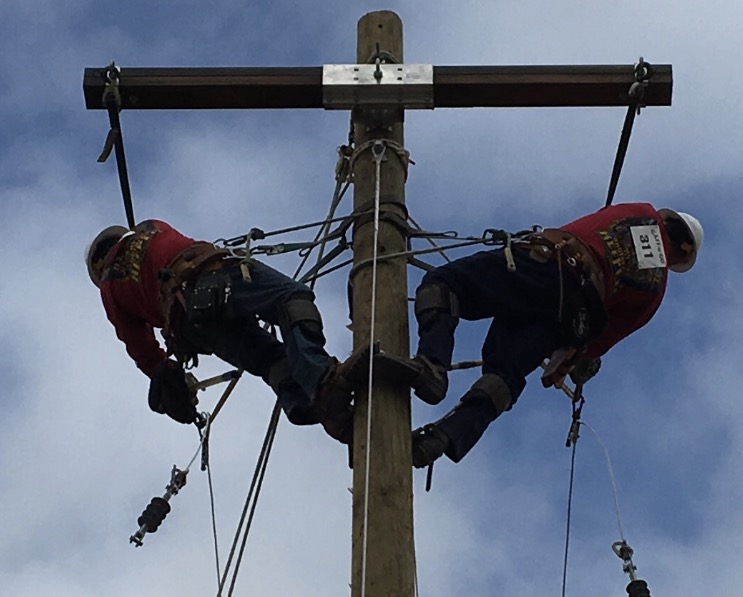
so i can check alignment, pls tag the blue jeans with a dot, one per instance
(532, 311)
(234, 333)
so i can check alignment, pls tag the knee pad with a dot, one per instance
(492, 386)
(433, 298)
(301, 311)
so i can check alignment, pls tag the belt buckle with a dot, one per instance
(540, 253)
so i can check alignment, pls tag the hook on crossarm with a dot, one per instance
(643, 72)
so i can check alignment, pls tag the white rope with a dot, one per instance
(378, 149)
(611, 477)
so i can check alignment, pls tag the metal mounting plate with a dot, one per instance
(346, 86)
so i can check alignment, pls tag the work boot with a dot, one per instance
(334, 397)
(339, 425)
(299, 409)
(429, 444)
(428, 379)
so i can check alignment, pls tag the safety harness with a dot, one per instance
(183, 270)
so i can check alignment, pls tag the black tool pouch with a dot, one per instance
(209, 298)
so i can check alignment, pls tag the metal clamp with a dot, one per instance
(407, 86)
(625, 552)
(111, 89)
(643, 72)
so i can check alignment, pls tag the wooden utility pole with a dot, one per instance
(383, 558)
(383, 554)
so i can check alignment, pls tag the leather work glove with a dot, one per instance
(558, 366)
(584, 370)
(169, 393)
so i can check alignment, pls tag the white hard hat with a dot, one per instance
(696, 232)
(97, 250)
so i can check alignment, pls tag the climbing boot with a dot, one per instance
(428, 380)
(429, 444)
(299, 409)
(333, 401)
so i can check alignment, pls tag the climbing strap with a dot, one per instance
(636, 96)
(114, 139)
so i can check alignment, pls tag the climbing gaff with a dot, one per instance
(158, 508)
(112, 101)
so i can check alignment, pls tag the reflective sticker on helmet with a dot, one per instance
(648, 247)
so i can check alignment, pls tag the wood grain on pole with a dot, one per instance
(390, 558)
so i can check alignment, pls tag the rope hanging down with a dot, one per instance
(258, 476)
(636, 587)
(636, 95)
(250, 503)
(378, 151)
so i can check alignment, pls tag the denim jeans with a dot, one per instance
(235, 335)
(532, 311)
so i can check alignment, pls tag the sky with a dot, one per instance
(80, 452)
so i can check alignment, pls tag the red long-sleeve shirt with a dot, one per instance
(630, 242)
(130, 288)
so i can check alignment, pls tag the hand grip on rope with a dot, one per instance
(156, 511)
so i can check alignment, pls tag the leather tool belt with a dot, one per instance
(185, 267)
(552, 244)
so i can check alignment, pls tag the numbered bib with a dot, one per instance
(648, 246)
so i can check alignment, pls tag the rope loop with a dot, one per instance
(402, 154)
(382, 56)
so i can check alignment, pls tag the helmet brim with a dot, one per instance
(691, 258)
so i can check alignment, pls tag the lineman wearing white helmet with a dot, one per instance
(575, 292)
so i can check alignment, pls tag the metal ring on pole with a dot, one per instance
(402, 153)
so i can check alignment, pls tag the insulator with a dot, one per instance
(154, 514)
(638, 588)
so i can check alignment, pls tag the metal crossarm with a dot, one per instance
(302, 87)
